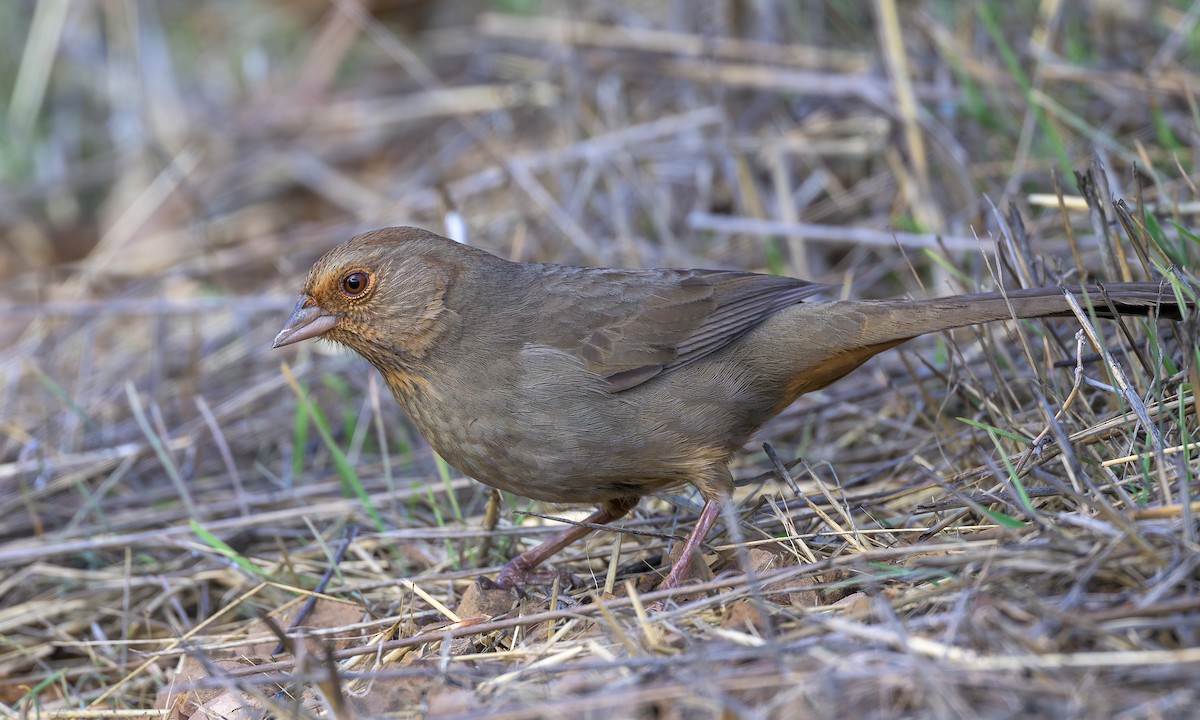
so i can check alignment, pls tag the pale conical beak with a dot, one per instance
(308, 320)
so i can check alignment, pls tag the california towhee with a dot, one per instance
(592, 385)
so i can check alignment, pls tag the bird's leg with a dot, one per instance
(708, 516)
(518, 571)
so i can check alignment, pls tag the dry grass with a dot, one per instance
(998, 523)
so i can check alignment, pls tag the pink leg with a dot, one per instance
(708, 516)
(517, 571)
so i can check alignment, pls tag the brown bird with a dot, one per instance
(592, 385)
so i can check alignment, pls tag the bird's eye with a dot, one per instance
(355, 283)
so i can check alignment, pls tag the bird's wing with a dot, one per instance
(630, 325)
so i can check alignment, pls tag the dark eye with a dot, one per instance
(355, 283)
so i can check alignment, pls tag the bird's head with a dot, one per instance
(380, 293)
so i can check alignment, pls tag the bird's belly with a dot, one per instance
(549, 471)
(541, 458)
(561, 435)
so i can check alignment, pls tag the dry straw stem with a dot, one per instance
(168, 173)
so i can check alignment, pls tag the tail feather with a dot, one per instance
(1107, 301)
(836, 337)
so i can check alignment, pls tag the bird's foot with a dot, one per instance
(672, 581)
(686, 566)
(514, 575)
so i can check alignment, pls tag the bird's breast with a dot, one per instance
(406, 386)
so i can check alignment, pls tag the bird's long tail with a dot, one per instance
(840, 336)
(924, 316)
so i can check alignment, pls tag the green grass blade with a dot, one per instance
(341, 464)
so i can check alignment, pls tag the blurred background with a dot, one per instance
(169, 171)
(232, 139)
